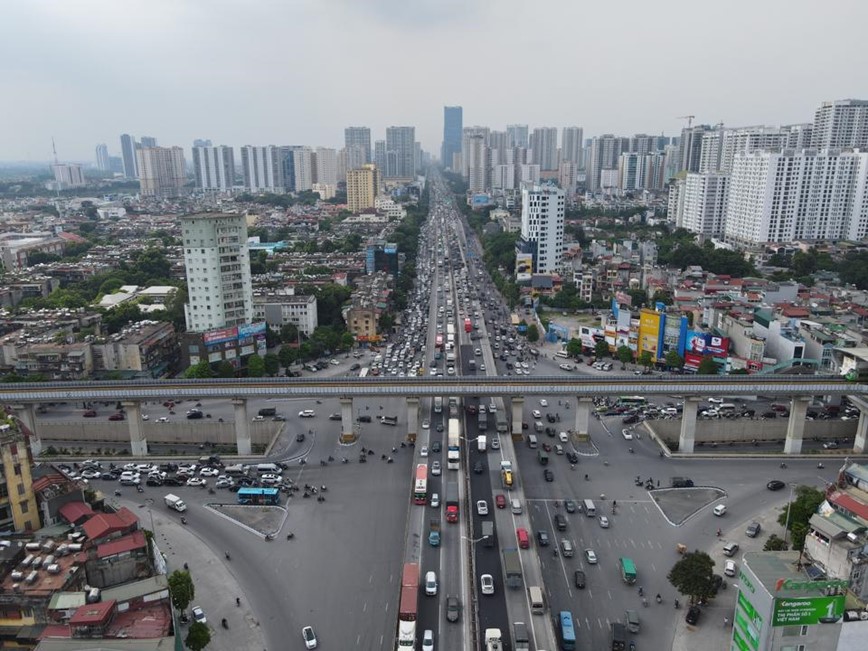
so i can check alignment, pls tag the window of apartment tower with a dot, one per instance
(21, 489)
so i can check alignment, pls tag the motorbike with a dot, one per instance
(224, 623)
(139, 489)
(183, 520)
(658, 599)
(290, 536)
(211, 491)
(228, 557)
(117, 493)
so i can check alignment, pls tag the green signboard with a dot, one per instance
(808, 611)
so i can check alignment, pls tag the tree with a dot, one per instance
(800, 510)
(532, 333)
(198, 637)
(225, 369)
(574, 347)
(255, 366)
(625, 355)
(200, 371)
(775, 544)
(272, 364)
(646, 359)
(289, 333)
(181, 588)
(707, 366)
(601, 349)
(347, 340)
(693, 575)
(287, 355)
(674, 360)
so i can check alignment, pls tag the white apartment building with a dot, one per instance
(218, 271)
(326, 166)
(162, 171)
(478, 166)
(214, 168)
(263, 168)
(704, 204)
(720, 146)
(842, 123)
(279, 308)
(68, 175)
(542, 225)
(503, 177)
(544, 142)
(304, 168)
(797, 195)
(529, 174)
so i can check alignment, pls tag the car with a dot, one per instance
(729, 568)
(478, 468)
(199, 615)
(753, 529)
(258, 418)
(569, 506)
(775, 485)
(306, 413)
(278, 418)
(334, 416)
(692, 615)
(720, 510)
(173, 481)
(426, 424)
(536, 414)
(309, 637)
(590, 556)
(547, 447)
(604, 522)
(435, 500)
(364, 419)
(548, 475)
(830, 445)
(627, 434)
(453, 608)
(117, 416)
(572, 457)
(500, 501)
(579, 578)
(542, 537)
(196, 481)
(153, 480)
(730, 549)
(423, 452)
(224, 482)
(209, 472)
(482, 507)
(162, 419)
(428, 640)
(91, 473)
(90, 413)
(495, 443)
(439, 427)
(543, 402)
(435, 468)
(486, 584)
(565, 367)
(299, 437)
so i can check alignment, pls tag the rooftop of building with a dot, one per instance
(773, 567)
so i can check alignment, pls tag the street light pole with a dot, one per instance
(789, 504)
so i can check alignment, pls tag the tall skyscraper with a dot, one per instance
(704, 203)
(604, 154)
(262, 168)
(148, 141)
(303, 165)
(544, 143)
(103, 162)
(841, 124)
(214, 167)
(380, 156)
(218, 271)
(517, 135)
(478, 164)
(162, 171)
(200, 142)
(67, 175)
(400, 141)
(572, 140)
(363, 185)
(453, 123)
(357, 141)
(691, 147)
(542, 226)
(719, 146)
(326, 166)
(128, 153)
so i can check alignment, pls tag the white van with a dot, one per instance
(269, 468)
(532, 441)
(516, 507)
(590, 509)
(537, 605)
(562, 353)
(563, 437)
(431, 583)
(720, 510)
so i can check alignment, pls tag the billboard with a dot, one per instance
(523, 263)
(220, 335)
(650, 332)
(808, 611)
(703, 343)
(251, 330)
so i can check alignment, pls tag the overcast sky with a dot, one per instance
(298, 71)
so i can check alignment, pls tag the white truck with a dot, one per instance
(175, 502)
(493, 639)
(481, 442)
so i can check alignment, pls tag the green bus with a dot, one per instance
(543, 457)
(628, 569)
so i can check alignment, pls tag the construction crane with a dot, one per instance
(689, 119)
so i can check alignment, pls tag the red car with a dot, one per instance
(117, 416)
(90, 413)
(500, 501)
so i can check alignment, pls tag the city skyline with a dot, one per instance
(590, 77)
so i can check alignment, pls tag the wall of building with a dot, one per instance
(761, 430)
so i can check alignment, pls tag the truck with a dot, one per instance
(488, 535)
(434, 532)
(619, 637)
(175, 502)
(493, 639)
(453, 444)
(506, 477)
(468, 326)
(438, 404)
(389, 420)
(452, 501)
(408, 608)
(512, 568)
(482, 420)
(481, 442)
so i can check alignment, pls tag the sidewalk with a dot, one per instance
(215, 586)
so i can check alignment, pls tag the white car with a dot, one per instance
(273, 480)
(536, 413)
(209, 472)
(604, 522)
(435, 469)
(162, 419)
(543, 402)
(482, 507)
(486, 584)
(729, 568)
(426, 423)
(424, 451)
(196, 481)
(565, 367)
(627, 434)
(306, 413)
(199, 615)
(428, 640)
(309, 637)
(495, 443)
(591, 556)
(224, 482)
(435, 500)
(91, 474)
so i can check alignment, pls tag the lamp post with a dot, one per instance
(789, 504)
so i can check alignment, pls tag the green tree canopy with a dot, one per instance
(255, 366)
(574, 347)
(289, 333)
(707, 366)
(775, 544)
(181, 588)
(200, 371)
(198, 637)
(532, 333)
(625, 354)
(674, 360)
(272, 364)
(646, 359)
(601, 349)
(693, 576)
(225, 369)
(800, 510)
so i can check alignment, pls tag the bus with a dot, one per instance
(632, 401)
(628, 569)
(420, 486)
(468, 326)
(258, 496)
(568, 633)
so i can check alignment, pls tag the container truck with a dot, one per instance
(408, 608)
(481, 442)
(488, 535)
(453, 445)
(175, 502)
(452, 501)
(512, 568)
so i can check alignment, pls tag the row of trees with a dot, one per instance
(183, 592)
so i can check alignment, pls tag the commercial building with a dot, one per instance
(279, 308)
(103, 160)
(542, 226)
(478, 164)
(263, 169)
(842, 123)
(128, 154)
(401, 153)
(453, 125)
(363, 185)
(382, 256)
(357, 142)
(146, 349)
(218, 271)
(214, 168)
(18, 508)
(162, 171)
(544, 144)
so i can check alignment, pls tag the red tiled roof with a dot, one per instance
(72, 512)
(121, 545)
(55, 631)
(795, 311)
(92, 614)
(103, 524)
(849, 503)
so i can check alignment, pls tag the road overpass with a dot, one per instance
(24, 397)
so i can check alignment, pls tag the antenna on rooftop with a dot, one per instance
(54, 149)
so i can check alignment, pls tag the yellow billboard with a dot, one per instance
(649, 332)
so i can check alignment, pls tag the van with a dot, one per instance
(566, 548)
(562, 354)
(516, 507)
(268, 411)
(523, 538)
(632, 618)
(560, 522)
(532, 441)
(563, 437)
(520, 638)
(234, 471)
(273, 468)
(431, 583)
(590, 509)
(719, 510)
(537, 605)
(538, 426)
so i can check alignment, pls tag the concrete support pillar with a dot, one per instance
(138, 441)
(861, 433)
(796, 425)
(412, 418)
(242, 427)
(517, 415)
(348, 433)
(583, 417)
(26, 414)
(687, 438)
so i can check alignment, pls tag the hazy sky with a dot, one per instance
(298, 71)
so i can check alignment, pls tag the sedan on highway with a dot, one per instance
(604, 522)
(543, 402)
(579, 578)
(309, 637)
(435, 468)
(565, 367)
(590, 556)
(209, 472)
(570, 506)
(199, 615)
(428, 640)
(536, 413)
(306, 413)
(627, 434)
(196, 481)
(453, 609)
(775, 485)
(482, 507)
(424, 451)
(426, 424)
(500, 501)
(549, 475)
(486, 584)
